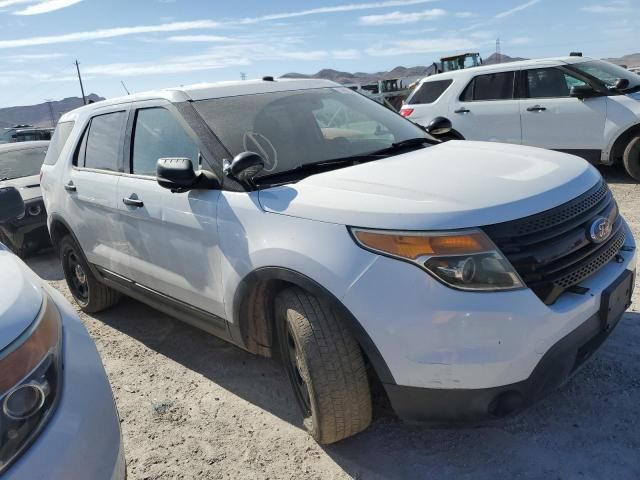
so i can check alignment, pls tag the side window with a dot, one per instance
(103, 142)
(493, 86)
(60, 137)
(158, 134)
(550, 82)
(429, 92)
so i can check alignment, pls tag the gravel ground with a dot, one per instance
(193, 406)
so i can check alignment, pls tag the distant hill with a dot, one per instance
(40, 115)
(631, 60)
(362, 77)
(421, 71)
(500, 58)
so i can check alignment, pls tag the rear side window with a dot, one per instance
(21, 163)
(550, 82)
(60, 137)
(103, 142)
(494, 86)
(158, 134)
(429, 92)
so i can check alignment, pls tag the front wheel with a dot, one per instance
(91, 295)
(325, 366)
(631, 158)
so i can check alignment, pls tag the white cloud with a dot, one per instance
(610, 7)
(465, 14)
(200, 39)
(46, 6)
(519, 8)
(335, 9)
(28, 57)
(409, 47)
(108, 33)
(218, 57)
(395, 18)
(11, 3)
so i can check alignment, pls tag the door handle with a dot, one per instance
(536, 108)
(70, 187)
(133, 202)
(462, 110)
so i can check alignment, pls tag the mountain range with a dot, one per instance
(422, 71)
(41, 115)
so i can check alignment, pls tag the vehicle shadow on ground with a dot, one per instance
(45, 264)
(616, 174)
(587, 429)
(392, 449)
(258, 380)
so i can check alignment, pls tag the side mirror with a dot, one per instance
(439, 126)
(583, 91)
(178, 175)
(621, 84)
(245, 166)
(11, 204)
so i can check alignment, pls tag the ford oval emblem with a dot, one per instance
(600, 230)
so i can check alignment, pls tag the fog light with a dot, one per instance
(24, 401)
(35, 210)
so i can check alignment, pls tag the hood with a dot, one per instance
(458, 184)
(29, 187)
(20, 297)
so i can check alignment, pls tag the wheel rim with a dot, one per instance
(77, 277)
(300, 385)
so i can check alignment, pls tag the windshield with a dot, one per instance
(301, 127)
(21, 163)
(607, 73)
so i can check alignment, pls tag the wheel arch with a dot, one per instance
(621, 142)
(58, 229)
(254, 316)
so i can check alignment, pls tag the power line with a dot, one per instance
(51, 114)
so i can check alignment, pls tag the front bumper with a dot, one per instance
(82, 439)
(30, 233)
(451, 353)
(449, 406)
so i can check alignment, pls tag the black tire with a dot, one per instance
(325, 366)
(90, 294)
(631, 158)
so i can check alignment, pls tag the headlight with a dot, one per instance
(29, 383)
(466, 260)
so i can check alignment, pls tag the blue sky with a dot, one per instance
(162, 43)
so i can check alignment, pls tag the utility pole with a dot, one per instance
(498, 54)
(243, 76)
(84, 98)
(51, 114)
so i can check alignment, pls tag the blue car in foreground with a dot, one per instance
(58, 419)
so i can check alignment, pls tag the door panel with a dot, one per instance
(552, 119)
(172, 242)
(488, 110)
(171, 238)
(91, 188)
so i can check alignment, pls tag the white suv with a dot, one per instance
(302, 220)
(578, 105)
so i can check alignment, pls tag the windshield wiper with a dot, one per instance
(346, 161)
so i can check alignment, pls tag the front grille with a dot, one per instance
(552, 251)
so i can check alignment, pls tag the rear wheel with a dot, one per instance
(91, 295)
(631, 158)
(325, 366)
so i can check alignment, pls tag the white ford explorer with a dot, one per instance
(299, 219)
(578, 105)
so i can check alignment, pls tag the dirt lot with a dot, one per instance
(193, 406)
